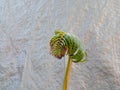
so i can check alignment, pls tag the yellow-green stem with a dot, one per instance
(67, 74)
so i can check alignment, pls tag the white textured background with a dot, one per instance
(26, 27)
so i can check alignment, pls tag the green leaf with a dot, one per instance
(63, 43)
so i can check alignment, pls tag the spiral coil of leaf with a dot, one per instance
(64, 43)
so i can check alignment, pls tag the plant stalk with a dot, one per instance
(67, 74)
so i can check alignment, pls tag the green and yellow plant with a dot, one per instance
(62, 44)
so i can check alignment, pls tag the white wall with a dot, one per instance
(26, 27)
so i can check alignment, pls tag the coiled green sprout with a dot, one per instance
(62, 44)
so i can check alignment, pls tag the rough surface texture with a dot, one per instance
(26, 27)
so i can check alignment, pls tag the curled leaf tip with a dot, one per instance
(64, 43)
